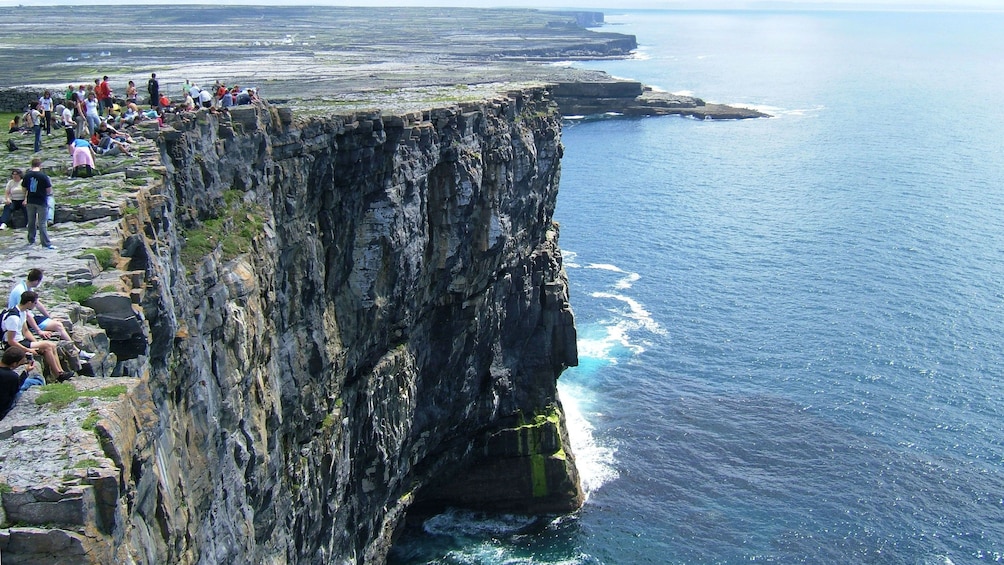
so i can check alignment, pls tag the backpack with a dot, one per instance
(8, 312)
(11, 146)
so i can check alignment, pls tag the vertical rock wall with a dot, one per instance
(385, 312)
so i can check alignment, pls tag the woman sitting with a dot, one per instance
(13, 198)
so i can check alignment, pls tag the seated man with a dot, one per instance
(16, 335)
(41, 324)
(11, 383)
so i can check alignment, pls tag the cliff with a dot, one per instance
(602, 94)
(348, 318)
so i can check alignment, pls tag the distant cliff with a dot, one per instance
(351, 317)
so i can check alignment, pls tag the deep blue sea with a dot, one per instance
(791, 330)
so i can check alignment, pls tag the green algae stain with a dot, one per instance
(530, 438)
(538, 475)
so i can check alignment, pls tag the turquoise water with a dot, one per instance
(790, 329)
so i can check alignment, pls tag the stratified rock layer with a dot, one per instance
(383, 309)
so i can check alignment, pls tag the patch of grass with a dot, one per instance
(60, 395)
(328, 421)
(105, 256)
(90, 421)
(81, 293)
(57, 396)
(232, 231)
(85, 463)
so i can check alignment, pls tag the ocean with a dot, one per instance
(791, 330)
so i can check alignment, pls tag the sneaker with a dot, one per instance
(65, 376)
(3, 226)
(50, 246)
(85, 354)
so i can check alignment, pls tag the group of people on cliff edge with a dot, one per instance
(26, 335)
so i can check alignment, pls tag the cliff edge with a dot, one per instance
(347, 318)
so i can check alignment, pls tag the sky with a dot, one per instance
(604, 5)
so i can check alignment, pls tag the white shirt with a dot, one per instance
(15, 324)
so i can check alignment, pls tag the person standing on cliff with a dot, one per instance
(35, 122)
(39, 187)
(153, 89)
(46, 104)
(103, 90)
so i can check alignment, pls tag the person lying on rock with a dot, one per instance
(41, 323)
(19, 337)
(13, 197)
(13, 384)
(110, 147)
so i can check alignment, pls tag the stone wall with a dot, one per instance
(17, 99)
(381, 311)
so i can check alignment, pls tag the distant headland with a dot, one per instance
(338, 59)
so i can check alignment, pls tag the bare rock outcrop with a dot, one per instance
(347, 318)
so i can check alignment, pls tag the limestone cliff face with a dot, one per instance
(379, 326)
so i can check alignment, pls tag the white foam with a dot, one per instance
(605, 267)
(623, 283)
(779, 112)
(636, 312)
(456, 522)
(568, 259)
(595, 462)
(640, 54)
(684, 93)
(627, 281)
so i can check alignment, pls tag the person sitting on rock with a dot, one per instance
(18, 336)
(132, 114)
(13, 198)
(13, 384)
(15, 124)
(42, 324)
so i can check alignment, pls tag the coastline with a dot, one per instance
(338, 59)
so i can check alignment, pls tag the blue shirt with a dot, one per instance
(15, 294)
